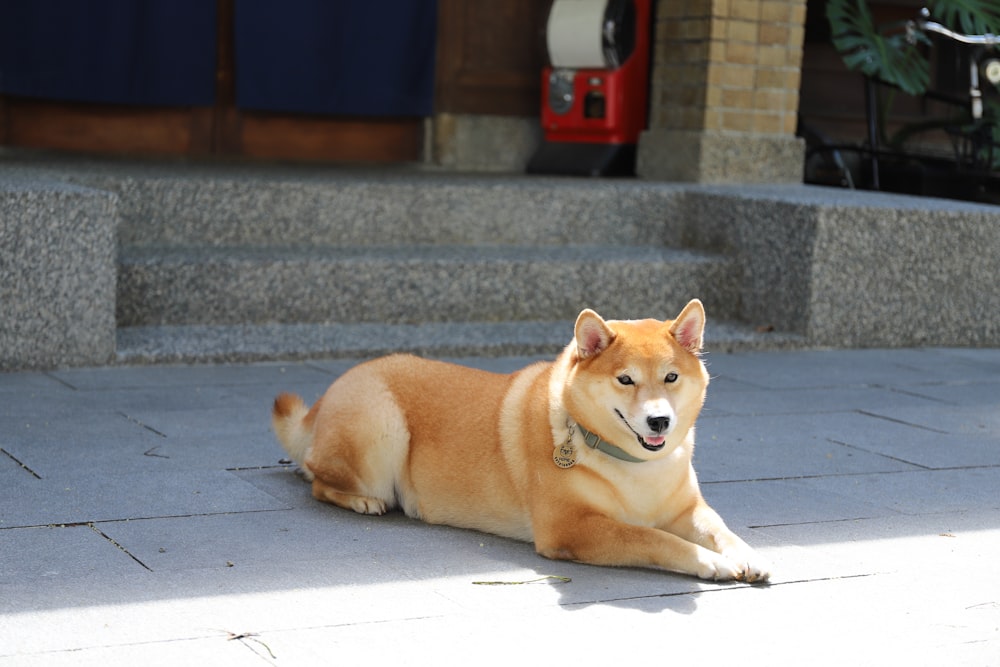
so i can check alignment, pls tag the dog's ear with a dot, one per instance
(689, 327)
(592, 334)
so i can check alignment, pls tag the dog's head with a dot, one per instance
(638, 384)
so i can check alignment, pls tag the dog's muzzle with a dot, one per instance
(658, 425)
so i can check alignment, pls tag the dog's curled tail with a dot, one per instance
(288, 417)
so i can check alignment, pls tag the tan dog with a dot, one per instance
(588, 456)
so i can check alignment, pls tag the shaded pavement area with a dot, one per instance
(145, 516)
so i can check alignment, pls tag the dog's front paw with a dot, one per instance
(753, 569)
(717, 567)
(756, 572)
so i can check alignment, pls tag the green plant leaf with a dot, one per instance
(890, 57)
(974, 17)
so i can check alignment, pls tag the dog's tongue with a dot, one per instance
(654, 440)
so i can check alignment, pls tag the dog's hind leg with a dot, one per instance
(360, 445)
(357, 473)
(351, 501)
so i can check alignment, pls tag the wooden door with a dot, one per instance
(490, 56)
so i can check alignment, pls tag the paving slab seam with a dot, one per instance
(221, 635)
(107, 537)
(138, 422)
(96, 522)
(818, 522)
(20, 463)
(785, 478)
(884, 455)
(901, 421)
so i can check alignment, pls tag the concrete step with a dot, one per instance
(219, 205)
(225, 261)
(246, 343)
(416, 284)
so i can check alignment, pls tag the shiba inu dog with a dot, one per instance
(588, 457)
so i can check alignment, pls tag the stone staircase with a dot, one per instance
(245, 263)
(135, 262)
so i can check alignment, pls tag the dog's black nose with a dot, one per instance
(658, 424)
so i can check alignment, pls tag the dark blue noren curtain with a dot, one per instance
(149, 52)
(344, 57)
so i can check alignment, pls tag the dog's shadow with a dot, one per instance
(582, 586)
(484, 565)
(514, 566)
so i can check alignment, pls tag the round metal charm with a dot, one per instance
(564, 455)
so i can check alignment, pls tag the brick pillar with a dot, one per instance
(725, 92)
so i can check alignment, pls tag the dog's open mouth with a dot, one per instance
(653, 443)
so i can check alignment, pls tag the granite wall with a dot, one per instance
(857, 269)
(57, 273)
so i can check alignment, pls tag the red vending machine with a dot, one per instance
(595, 90)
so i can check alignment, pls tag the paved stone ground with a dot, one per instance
(145, 519)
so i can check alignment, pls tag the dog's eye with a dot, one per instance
(671, 377)
(625, 379)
